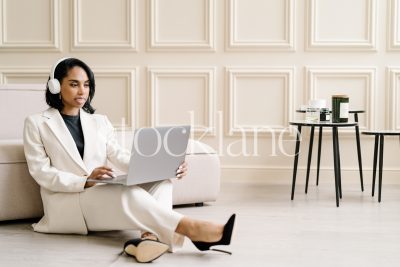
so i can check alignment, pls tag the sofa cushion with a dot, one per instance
(12, 151)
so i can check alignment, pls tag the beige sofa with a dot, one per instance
(19, 193)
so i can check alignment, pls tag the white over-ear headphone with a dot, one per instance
(54, 84)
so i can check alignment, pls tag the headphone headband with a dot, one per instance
(53, 69)
(54, 84)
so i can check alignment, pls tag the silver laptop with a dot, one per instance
(156, 155)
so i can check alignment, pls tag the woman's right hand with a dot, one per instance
(99, 173)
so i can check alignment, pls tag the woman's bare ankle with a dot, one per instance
(200, 230)
(208, 232)
(148, 235)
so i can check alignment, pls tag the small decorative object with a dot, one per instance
(313, 109)
(312, 114)
(324, 115)
(317, 103)
(340, 108)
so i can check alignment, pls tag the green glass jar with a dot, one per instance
(340, 108)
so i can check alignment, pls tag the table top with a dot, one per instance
(323, 123)
(350, 111)
(381, 132)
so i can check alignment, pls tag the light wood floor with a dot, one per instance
(271, 230)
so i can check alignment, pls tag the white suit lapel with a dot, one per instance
(89, 128)
(61, 132)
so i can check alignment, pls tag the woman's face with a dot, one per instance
(74, 90)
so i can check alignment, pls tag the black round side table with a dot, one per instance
(336, 152)
(355, 112)
(378, 154)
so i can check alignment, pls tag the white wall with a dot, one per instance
(228, 65)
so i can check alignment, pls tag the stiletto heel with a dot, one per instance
(145, 250)
(225, 239)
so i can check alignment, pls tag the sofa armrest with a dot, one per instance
(202, 182)
(19, 193)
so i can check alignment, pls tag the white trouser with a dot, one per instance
(147, 207)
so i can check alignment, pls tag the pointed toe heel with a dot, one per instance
(225, 239)
(145, 250)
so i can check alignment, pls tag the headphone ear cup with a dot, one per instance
(54, 86)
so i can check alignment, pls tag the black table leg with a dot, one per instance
(359, 152)
(338, 163)
(309, 156)
(296, 158)
(380, 165)
(375, 161)
(334, 140)
(319, 152)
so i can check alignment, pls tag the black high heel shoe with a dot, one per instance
(225, 239)
(145, 250)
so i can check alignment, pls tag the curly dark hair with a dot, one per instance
(61, 71)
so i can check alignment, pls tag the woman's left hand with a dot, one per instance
(182, 170)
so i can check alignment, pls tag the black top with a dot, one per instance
(324, 123)
(350, 111)
(75, 128)
(382, 132)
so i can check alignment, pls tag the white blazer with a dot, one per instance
(56, 165)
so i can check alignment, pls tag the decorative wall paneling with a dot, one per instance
(261, 25)
(30, 25)
(182, 25)
(260, 99)
(356, 82)
(252, 61)
(113, 28)
(341, 25)
(393, 99)
(182, 96)
(113, 85)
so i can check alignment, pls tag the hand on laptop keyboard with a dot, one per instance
(102, 172)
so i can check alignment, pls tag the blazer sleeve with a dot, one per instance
(39, 164)
(116, 154)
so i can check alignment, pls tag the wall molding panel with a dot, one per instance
(160, 79)
(126, 93)
(127, 40)
(23, 75)
(260, 79)
(366, 75)
(393, 99)
(393, 39)
(23, 31)
(285, 41)
(123, 116)
(171, 39)
(336, 43)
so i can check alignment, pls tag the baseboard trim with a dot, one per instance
(300, 167)
(284, 176)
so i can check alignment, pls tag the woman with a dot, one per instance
(67, 144)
